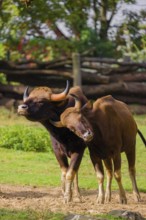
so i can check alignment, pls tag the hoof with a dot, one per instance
(137, 198)
(100, 200)
(107, 198)
(123, 200)
(67, 198)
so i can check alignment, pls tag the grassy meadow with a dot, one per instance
(29, 215)
(31, 168)
(35, 168)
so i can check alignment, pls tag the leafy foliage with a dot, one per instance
(2, 51)
(50, 29)
(3, 79)
(26, 138)
(131, 50)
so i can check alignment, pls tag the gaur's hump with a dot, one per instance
(41, 92)
(103, 100)
(108, 98)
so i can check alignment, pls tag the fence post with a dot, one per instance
(77, 78)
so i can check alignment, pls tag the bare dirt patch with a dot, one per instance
(50, 199)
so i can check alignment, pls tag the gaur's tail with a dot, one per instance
(142, 137)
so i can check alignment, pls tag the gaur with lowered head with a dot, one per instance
(109, 128)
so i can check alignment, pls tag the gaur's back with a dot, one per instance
(115, 122)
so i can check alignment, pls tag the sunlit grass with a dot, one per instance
(28, 168)
(6, 214)
(42, 169)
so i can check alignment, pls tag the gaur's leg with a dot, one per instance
(71, 172)
(117, 175)
(109, 174)
(62, 160)
(131, 164)
(97, 163)
(76, 191)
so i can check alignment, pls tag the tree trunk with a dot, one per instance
(103, 20)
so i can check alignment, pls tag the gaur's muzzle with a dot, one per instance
(22, 109)
(87, 136)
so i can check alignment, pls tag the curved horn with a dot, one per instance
(25, 95)
(57, 124)
(62, 95)
(78, 104)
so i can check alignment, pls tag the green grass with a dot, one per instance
(29, 215)
(31, 168)
(6, 214)
(42, 169)
(28, 168)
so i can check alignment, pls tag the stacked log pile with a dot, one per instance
(126, 81)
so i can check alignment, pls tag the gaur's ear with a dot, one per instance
(88, 105)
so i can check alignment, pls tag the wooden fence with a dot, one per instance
(126, 81)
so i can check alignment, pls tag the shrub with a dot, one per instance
(25, 138)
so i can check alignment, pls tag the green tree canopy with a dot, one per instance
(52, 28)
